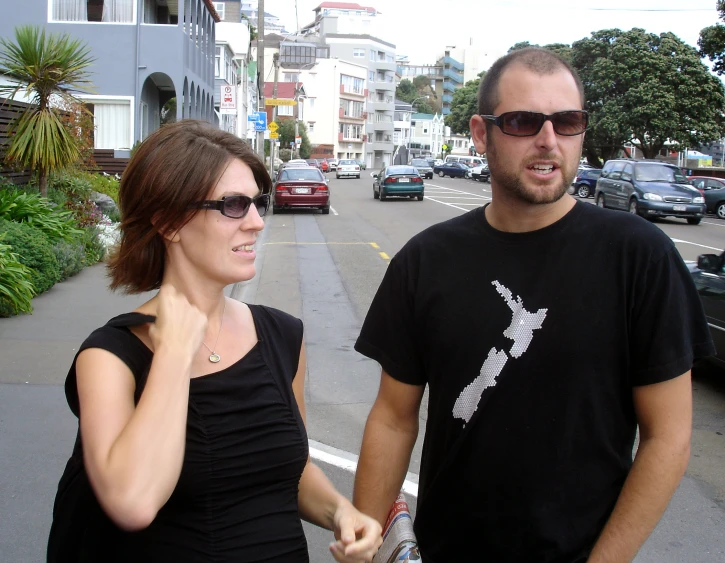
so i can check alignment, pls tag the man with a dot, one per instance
(536, 387)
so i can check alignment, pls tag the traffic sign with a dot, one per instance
(273, 126)
(260, 120)
(273, 135)
(278, 102)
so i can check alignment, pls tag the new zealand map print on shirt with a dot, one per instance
(521, 331)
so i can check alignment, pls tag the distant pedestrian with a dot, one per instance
(546, 330)
(192, 444)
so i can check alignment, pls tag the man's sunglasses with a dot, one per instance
(235, 206)
(529, 123)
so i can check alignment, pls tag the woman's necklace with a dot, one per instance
(216, 358)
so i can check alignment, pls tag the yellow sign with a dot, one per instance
(273, 135)
(276, 102)
(273, 126)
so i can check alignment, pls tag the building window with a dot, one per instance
(219, 7)
(285, 110)
(371, 76)
(218, 63)
(372, 55)
(352, 84)
(358, 53)
(291, 77)
(112, 121)
(310, 127)
(109, 11)
(298, 54)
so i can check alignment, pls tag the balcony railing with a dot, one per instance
(453, 62)
(448, 98)
(382, 118)
(456, 77)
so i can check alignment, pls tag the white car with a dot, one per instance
(347, 168)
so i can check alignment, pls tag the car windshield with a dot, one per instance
(300, 174)
(348, 162)
(392, 170)
(419, 162)
(658, 173)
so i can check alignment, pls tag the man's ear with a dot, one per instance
(169, 235)
(478, 133)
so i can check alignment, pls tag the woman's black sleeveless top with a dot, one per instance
(246, 448)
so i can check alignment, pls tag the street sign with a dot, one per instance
(298, 140)
(273, 126)
(273, 135)
(260, 122)
(278, 102)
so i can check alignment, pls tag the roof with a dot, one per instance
(212, 11)
(285, 90)
(345, 6)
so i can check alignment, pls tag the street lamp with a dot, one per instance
(407, 146)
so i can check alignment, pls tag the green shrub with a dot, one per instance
(34, 251)
(114, 216)
(79, 184)
(94, 249)
(71, 257)
(105, 185)
(25, 207)
(16, 287)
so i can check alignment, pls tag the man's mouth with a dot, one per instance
(542, 168)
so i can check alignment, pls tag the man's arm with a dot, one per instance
(664, 414)
(388, 441)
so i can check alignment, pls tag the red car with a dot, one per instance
(323, 165)
(301, 187)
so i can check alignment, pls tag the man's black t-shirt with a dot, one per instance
(546, 333)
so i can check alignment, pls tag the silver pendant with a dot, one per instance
(214, 358)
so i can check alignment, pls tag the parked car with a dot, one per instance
(298, 186)
(362, 165)
(452, 169)
(714, 191)
(423, 167)
(313, 162)
(398, 180)
(585, 182)
(709, 277)
(649, 188)
(323, 165)
(481, 173)
(332, 162)
(347, 168)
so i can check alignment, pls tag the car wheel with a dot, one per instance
(383, 197)
(326, 210)
(694, 220)
(358, 176)
(720, 210)
(601, 202)
(633, 207)
(420, 197)
(583, 190)
(442, 174)
(337, 176)
(376, 195)
(276, 210)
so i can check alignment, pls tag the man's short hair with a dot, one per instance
(541, 61)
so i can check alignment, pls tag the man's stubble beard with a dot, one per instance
(511, 183)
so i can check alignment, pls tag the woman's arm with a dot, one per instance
(133, 454)
(358, 535)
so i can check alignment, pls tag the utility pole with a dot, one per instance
(260, 74)
(272, 143)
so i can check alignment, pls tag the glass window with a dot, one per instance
(284, 110)
(372, 55)
(311, 127)
(217, 62)
(219, 7)
(111, 11)
(358, 53)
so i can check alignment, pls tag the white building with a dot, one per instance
(460, 144)
(231, 68)
(336, 106)
(427, 135)
(401, 133)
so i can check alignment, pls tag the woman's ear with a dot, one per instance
(168, 235)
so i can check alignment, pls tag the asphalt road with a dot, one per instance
(325, 269)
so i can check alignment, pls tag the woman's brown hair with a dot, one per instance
(175, 166)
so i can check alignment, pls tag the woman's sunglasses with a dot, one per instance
(235, 206)
(529, 123)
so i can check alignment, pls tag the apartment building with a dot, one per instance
(146, 53)
(336, 109)
(231, 72)
(445, 77)
(427, 135)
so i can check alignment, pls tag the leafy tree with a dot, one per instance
(168, 112)
(561, 49)
(646, 88)
(48, 67)
(520, 45)
(712, 42)
(408, 91)
(287, 135)
(463, 106)
(405, 91)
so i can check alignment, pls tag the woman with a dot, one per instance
(192, 445)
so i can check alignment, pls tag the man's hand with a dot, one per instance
(358, 536)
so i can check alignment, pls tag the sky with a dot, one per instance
(422, 30)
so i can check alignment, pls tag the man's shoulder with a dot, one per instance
(440, 235)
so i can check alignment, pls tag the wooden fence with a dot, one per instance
(9, 110)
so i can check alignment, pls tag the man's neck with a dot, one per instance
(513, 216)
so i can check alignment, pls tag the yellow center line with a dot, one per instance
(385, 256)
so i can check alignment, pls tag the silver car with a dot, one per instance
(347, 168)
(423, 167)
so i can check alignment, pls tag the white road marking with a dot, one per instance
(348, 462)
(716, 224)
(676, 240)
(333, 210)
